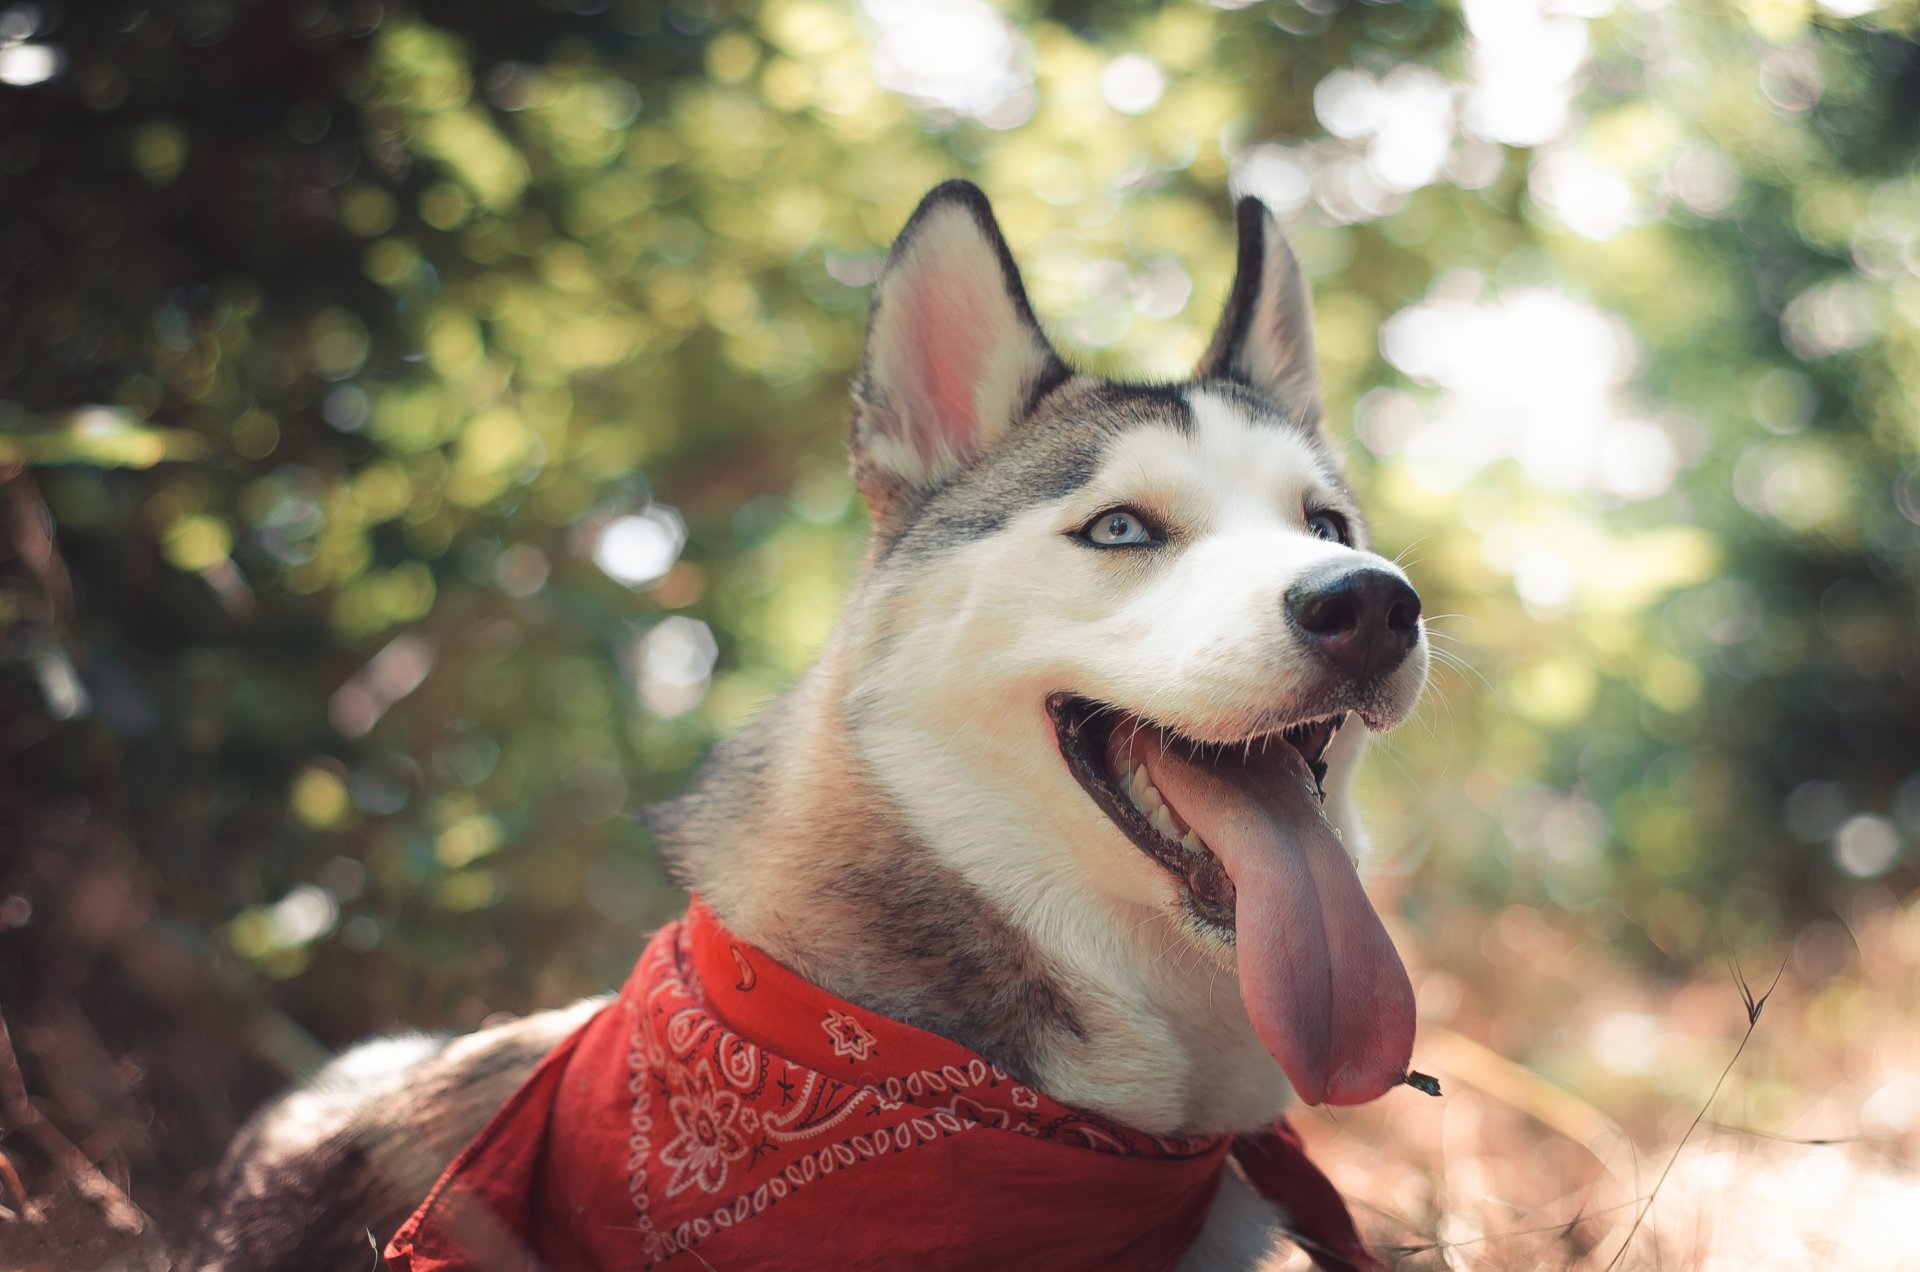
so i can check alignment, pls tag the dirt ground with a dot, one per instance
(125, 1068)
(1800, 1143)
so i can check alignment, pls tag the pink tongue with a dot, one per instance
(1323, 985)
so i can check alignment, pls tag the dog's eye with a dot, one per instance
(1118, 528)
(1330, 526)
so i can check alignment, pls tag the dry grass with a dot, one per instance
(1807, 1157)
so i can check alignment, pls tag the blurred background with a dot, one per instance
(421, 436)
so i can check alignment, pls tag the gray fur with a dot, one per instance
(1054, 450)
(1046, 456)
(320, 1179)
(870, 914)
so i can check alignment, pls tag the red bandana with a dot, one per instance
(724, 1113)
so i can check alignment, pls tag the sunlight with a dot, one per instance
(1531, 376)
(1131, 84)
(673, 665)
(1525, 60)
(638, 550)
(958, 56)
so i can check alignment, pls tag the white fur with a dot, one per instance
(950, 717)
(1239, 1232)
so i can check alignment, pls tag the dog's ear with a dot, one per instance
(953, 353)
(1265, 339)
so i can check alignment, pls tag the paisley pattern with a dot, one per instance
(750, 1123)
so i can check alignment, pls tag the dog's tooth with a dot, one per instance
(1191, 842)
(1163, 822)
(1145, 796)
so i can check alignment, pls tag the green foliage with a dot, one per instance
(337, 341)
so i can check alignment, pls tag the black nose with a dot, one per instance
(1364, 620)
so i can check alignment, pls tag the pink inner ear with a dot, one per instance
(949, 334)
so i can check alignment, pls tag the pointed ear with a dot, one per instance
(1265, 339)
(953, 353)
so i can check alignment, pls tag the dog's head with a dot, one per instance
(1118, 645)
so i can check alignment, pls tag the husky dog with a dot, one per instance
(1069, 784)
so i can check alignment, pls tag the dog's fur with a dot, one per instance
(899, 827)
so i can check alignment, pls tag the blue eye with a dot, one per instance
(1117, 528)
(1330, 526)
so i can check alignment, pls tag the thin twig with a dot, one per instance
(1819, 1141)
(1754, 1007)
(16, 1190)
(1564, 1226)
(18, 1114)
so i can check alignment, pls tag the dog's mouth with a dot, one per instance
(1241, 828)
(1107, 750)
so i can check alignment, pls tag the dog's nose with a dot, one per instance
(1364, 620)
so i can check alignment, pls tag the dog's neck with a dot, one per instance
(787, 840)
(799, 850)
